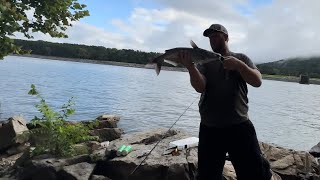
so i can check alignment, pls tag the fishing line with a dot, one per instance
(163, 136)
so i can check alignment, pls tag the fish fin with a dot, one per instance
(193, 44)
(152, 65)
(158, 68)
(171, 62)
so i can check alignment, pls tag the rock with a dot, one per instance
(7, 164)
(48, 168)
(18, 148)
(101, 124)
(81, 149)
(98, 155)
(9, 132)
(108, 117)
(290, 164)
(86, 147)
(315, 150)
(155, 138)
(99, 177)
(156, 166)
(107, 134)
(80, 171)
(95, 124)
(230, 174)
(93, 145)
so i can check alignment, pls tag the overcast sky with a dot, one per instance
(265, 30)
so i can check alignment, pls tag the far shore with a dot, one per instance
(114, 63)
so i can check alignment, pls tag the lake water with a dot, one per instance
(284, 113)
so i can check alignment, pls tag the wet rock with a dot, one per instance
(108, 117)
(315, 150)
(107, 134)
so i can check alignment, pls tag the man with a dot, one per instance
(225, 126)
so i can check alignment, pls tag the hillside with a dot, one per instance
(293, 67)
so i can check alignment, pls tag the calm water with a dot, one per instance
(286, 114)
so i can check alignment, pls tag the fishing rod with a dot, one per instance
(163, 136)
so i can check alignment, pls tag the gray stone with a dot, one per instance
(47, 168)
(80, 171)
(99, 177)
(290, 164)
(98, 155)
(157, 166)
(101, 124)
(7, 164)
(108, 117)
(107, 134)
(18, 148)
(315, 150)
(230, 174)
(9, 132)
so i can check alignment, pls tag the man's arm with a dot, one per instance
(250, 75)
(197, 80)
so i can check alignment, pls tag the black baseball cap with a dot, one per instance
(215, 27)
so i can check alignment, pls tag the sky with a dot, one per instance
(265, 30)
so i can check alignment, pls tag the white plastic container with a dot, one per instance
(185, 143)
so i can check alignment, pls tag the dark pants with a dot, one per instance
(240, 141)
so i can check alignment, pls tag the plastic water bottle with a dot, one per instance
(126, 150)
(120, 150)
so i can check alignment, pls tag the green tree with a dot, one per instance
(48, 16)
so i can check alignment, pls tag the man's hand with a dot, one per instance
(232, 63)
(185, 59)
(251, 76)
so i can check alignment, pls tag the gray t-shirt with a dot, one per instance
(224, 102)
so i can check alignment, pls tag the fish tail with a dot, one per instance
(158, 67)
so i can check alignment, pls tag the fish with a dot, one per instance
(171, 56)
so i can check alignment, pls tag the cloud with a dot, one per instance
(267, 32)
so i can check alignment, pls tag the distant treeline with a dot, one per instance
(293, 67)
(289, 67)
(86, 52)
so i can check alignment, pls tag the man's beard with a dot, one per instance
(219, 49)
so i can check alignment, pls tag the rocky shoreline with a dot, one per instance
(267, 77)
(102, 162)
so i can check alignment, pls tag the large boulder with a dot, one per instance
(9, 132)
(315, 150)
(101, 124)
(290, 164)
(43, 167)
(107, 134)
(80, 171)
(157, 166)
(230, 174)
(108, 117)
